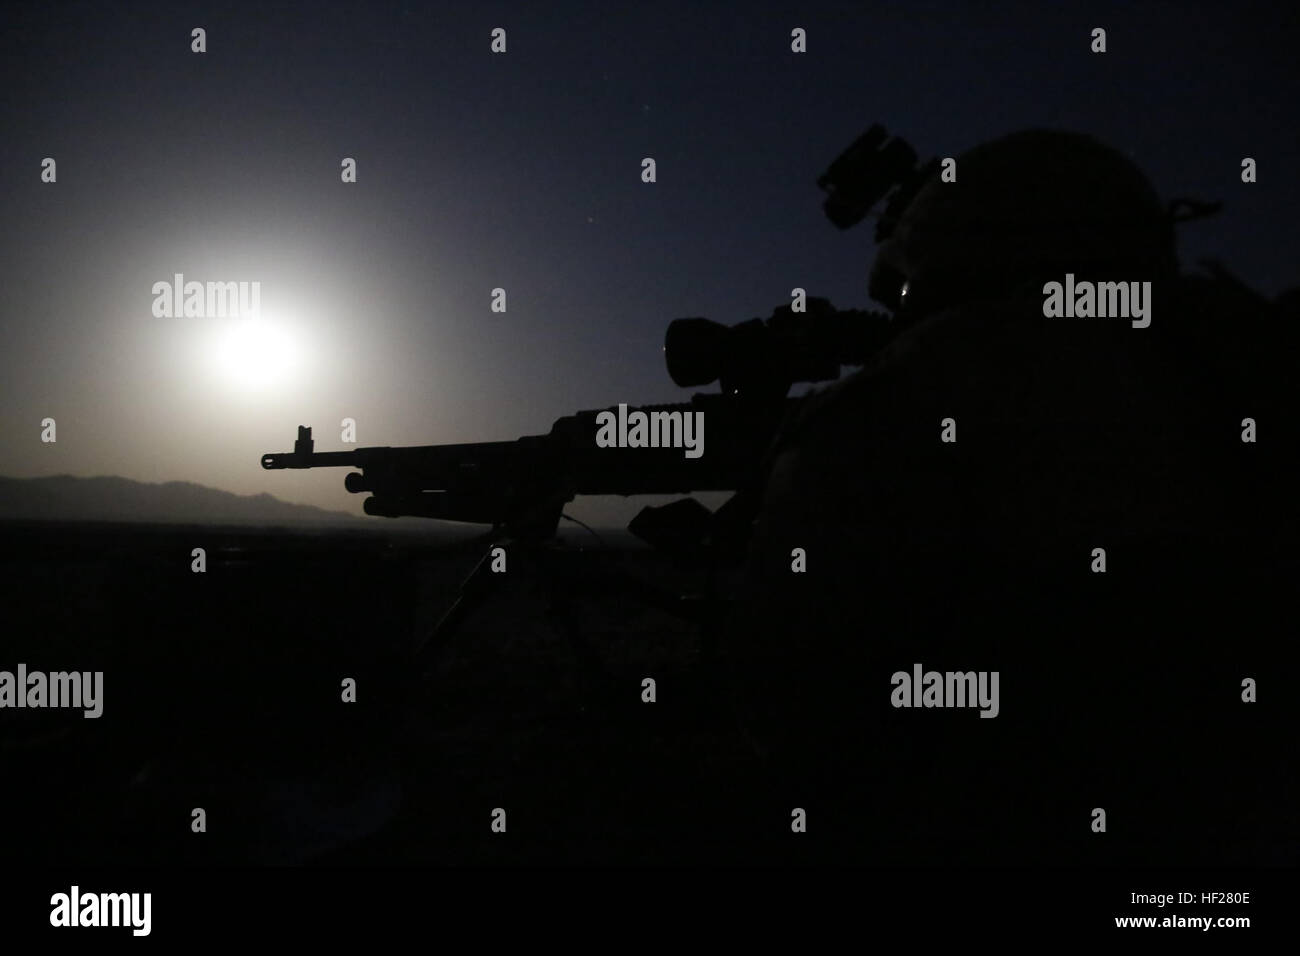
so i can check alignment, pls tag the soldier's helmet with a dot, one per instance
(1024, 208)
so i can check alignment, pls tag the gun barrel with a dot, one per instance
(320, 459)
(413, 469)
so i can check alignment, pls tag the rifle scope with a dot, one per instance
(770, 355)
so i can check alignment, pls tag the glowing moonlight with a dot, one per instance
(254, 355)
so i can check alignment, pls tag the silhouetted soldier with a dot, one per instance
(950, 500)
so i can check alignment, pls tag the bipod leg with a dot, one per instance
(473, 591)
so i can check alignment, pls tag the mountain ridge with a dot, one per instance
(114, 498)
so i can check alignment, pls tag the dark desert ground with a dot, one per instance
(222, 691)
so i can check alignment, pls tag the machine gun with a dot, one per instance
(522, 486)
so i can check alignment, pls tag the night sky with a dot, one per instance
(523, 171)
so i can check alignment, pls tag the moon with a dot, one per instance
(258, 355)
